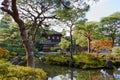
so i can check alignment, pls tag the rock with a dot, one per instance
(42, 59)
(109, 64)
(16, 60)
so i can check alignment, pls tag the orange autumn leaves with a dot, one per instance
(3, 51)
(101, 44)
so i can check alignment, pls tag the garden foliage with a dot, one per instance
(3, 51)
(12, 72)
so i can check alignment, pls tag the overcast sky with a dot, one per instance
(103, 8)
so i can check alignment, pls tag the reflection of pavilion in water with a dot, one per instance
(106, 74)
(71, 75)
(67, 73)
(62, 77)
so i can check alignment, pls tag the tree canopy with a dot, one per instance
(87, 30)
(110, 26)
(39, 11)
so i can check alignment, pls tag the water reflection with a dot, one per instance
(66, 73)
(111, 74)
(108, 74)
(69, 74)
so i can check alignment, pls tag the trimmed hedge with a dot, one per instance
(12, 72)
(79, 61)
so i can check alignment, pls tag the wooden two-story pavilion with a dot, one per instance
(50, 40)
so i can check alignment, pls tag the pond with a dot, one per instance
(67, 73)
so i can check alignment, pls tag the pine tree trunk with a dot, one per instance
(71, 46)
(88, 44)
(113, 41)
(27, 44)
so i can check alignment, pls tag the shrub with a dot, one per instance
(56, 59)
(79, 61)
(12, 72)
(86, 60)
(10, 55)
(116, 50)
(3, 52)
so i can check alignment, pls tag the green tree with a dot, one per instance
(110, 26)
(87, 30)
(64, 44)
(6, 19)
(35, 15)
(80, 40)
(15, 15)
(10, 35)
(69, 16)
(4, 24)
(44, 5)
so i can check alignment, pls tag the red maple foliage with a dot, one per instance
(101, 44)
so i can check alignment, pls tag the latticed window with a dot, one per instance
(48, 37)
(58, 37)
(53, 37)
